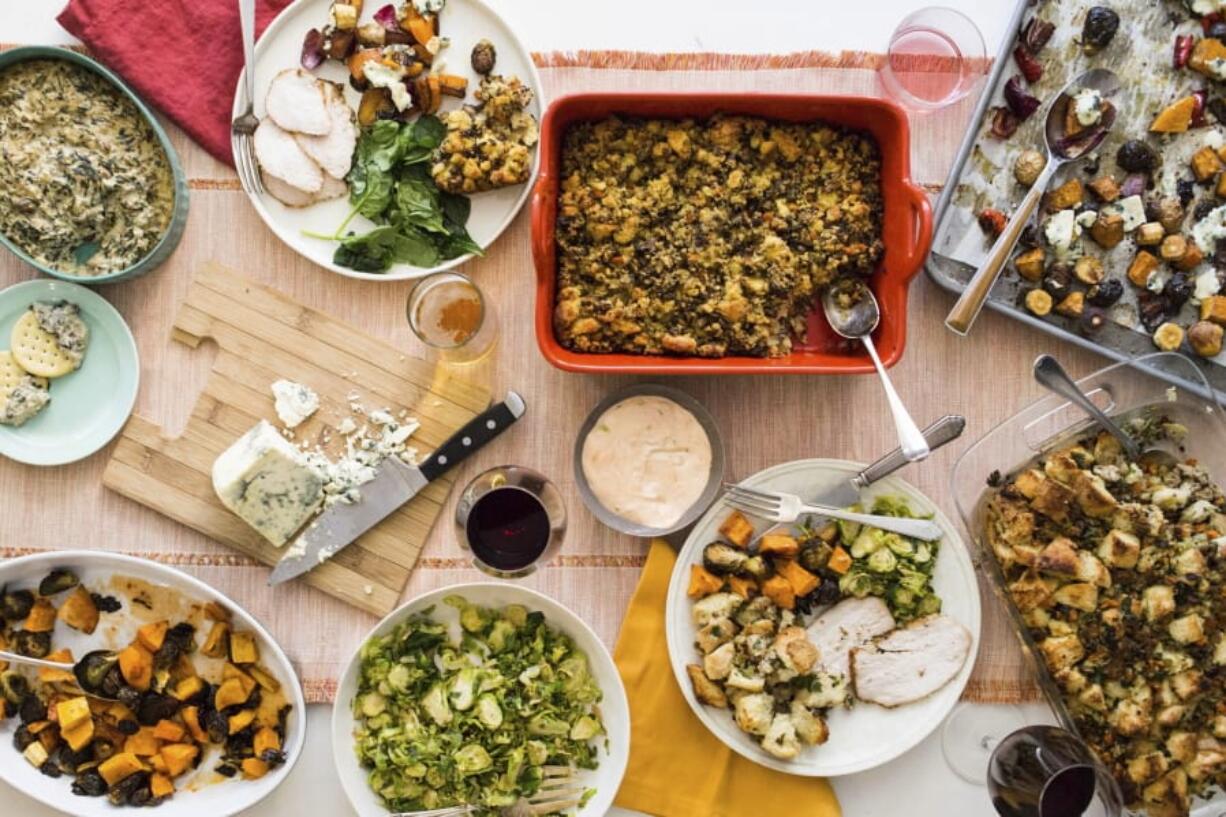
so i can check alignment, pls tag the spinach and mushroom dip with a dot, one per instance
(80, 170)
(708, 238)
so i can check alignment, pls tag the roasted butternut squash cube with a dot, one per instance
(1105, 188)
(840, 560)
(737, 529)
(1205, 164)
(58, 676)
(79, 611)
(161, 786)
(1143, 265)
(179, 757)
(1190, 259)
(79, 736)
(217, 644)
(254, 768)
(230, 671)
(72, 712)
(703, 582)
(1204, 53)
(41, 618)
(1213, 309)
(143, 743)
(136, 666)
(214, 611)
(151, 636)
(264, 678)
(157, 764)
(119, 766)
(1176, 117)
(169, 731)
(241, 721)
(191, 719)
(1108, 230)
(188, 688)
(779, 544)
(779, 590)
(1066, 196)
(243, 648)
(265, 740)
(229, 693)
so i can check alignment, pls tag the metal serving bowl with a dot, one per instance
(714, 480)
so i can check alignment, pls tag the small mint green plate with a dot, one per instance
(89, 406)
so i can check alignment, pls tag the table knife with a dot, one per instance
(847, 492)
(395, 484)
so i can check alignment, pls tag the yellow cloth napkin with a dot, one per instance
(678, 768)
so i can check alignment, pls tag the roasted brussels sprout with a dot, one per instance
(23, 737)
(92, 671)
(1099, 29)
(16, 604)
(1136, 156)
(133, 790)
(154, 707)
(89, 784)
(723, 559)
(816, 556)
(34, 645)
(14, 687)
(757, 567)
(32, 709)
(57, 581)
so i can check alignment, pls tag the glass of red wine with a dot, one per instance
(1046, 771)
(512, 519)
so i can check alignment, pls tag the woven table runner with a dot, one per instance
(765, 420)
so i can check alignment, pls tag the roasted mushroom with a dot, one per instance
(1105, 293)
(758, 567)
(1136, 156)
(1099, 29)
(483, 57)
(1027, 167)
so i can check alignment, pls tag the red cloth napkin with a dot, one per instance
(182, 56)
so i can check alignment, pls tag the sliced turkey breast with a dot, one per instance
(333, 151)
(296, 102)
(291, 196)
(910, 663)
(280, 155)
(845, 626)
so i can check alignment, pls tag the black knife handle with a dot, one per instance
(479, 431)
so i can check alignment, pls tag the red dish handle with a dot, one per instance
(922, 208)
(542, 227)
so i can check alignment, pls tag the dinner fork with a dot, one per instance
(243, 128)
(787, 508)
(558, 791)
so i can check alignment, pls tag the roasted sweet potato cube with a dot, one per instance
(703, 582)
(119, 766)
(265, 740)
(1190, 259)
(357, 63)
(248, 683)
(375, 101)
(217, 643)
(779, 544)
(418, 25)
(453, 85)
(840, 560)
(152, 635)
(169, 731)
(1176, 117)
(79, 611)
(1066, 196)
(188, 688)
(253, 768)
(737, 529)
(1204, 53)
(1072, 305)
(803, 582)
(72, 712)
(1030, 264)
(1108, 229)
(136, 665)
(1142, 266)
(161, 786)
(779, 590)
(742, 586)
(179, 757)
(41, 618)
(243, 648)
(1105, 188)
(1205, 164)
(1213, 309)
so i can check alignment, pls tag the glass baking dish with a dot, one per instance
(1121, 390)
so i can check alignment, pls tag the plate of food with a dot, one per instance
(191, 707)
(822, 649)
(473, 694)
(69, 372)
(394, 140)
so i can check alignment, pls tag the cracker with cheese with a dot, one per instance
(22, 395)
(50, 339)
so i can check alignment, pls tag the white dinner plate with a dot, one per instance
(614, 708)
(464, 22)
(867, 735)
(193, 799)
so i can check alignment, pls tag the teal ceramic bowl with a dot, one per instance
(89, 406)
(178, 219)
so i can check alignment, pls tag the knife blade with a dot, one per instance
(847, 492)
(395, 483)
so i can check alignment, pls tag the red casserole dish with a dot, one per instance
(906, 228)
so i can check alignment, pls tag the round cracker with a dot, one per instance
(37, 350)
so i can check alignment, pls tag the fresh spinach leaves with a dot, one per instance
(390, 184)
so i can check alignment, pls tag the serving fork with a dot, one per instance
(242, 129)
(785, 509)
(559, 791)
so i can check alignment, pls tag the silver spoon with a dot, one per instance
(81, 669)
(1060, 149)
(1051, 375)
(853, 312)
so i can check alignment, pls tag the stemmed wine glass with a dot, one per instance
(1046, 771)
(972, 733)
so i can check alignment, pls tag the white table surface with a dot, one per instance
(919, 778)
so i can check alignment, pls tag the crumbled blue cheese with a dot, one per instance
(1206, 285)
(429, 6)
(268, 483)
(1209, 229)
(294, 402)
(1203, 7)
(1087, 219)
(365, 449)
(1157, 280)
(1061, 231)
(1216, 68)
(382, 75)
(1133, 211)
(1087, 107)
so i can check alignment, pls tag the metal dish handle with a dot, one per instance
(921, 208)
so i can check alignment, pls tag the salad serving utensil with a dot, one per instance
(243, 126)
(853, 312)
(89, 670)
(784, 509)
(559, 791)
(1060, 148)
(1051, 375)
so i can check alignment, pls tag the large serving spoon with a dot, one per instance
(89, 671)
(1061, 148)
(852, 311)
(1051, 375)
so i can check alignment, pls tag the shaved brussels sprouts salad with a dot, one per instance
(444, 721)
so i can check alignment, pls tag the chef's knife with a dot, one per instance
(847, 492)
(395, 484)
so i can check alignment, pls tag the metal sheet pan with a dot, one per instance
(982, 171)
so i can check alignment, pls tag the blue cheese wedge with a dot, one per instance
(268, 483)
(294, 402)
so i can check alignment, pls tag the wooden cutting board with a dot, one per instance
(262, 336)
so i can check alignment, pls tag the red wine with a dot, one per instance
(508, 528)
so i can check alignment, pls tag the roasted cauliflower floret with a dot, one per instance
(717, 664)
(810, 727)
(795, 650)
(755, 712)
(716, 632)
(715, 606)
(780, 739)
